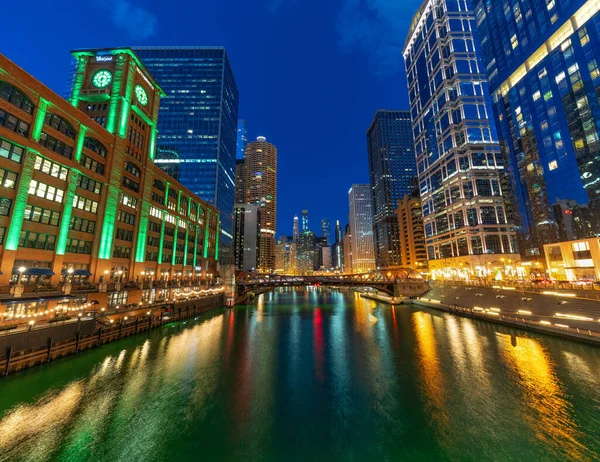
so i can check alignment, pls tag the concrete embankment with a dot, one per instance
(27, 349)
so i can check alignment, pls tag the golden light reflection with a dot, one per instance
(429, 365)
(548, 412)
(35, 420)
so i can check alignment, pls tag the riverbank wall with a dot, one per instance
(580, 335)
(27, 349)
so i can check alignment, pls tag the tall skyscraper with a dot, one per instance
(348, 245)
(337, 251)
(326, 229)
(361, 228)
(305, 221)
(306, 253)
(246, 236)
(392, 173)
(198, 119)
(458, 156)
(296, 228)
(412, 234)
(260, 183)
(242, 138)
(543, 67)
(240, 190)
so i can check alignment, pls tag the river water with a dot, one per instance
(311, 375)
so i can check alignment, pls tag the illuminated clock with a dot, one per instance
(102, 79)
(141, 95)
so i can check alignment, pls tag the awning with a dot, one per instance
(12, 301)
(78, 272)
(35, 272)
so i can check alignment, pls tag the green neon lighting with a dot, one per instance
(196, 245)
(167, 193)
(39, 119)
(152, 148)
(78, 80)
(16, 222)
(63, 233)
(102, 79)
(185, 249)
(175, 241)
(108, 223)
(217, 240)
(178, 200)
(206, 232)
(115, 95)
(162, 239)
(80, 139)
(124, 117)
(140, 252)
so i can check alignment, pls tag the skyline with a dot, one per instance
(350, 88)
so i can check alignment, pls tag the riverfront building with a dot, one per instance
(542, 62)
(199, 119)
(80, 195)
(246, 236)
(361, 228)
(459, 161)
(412, 234)
(260, 187)
(392, 175)
(574, 261)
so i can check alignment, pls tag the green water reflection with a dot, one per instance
(311, 375)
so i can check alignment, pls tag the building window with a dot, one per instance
(89, 184)
(117, 298)
(47, 192)
(16, 97)
(2, 234)
(32, 240)
(121, 252)
(581, 251)
(158, 198)
(92, 164)
(61, 125)
(14, 124)
(159, 185)
(94, 145)
(51, 168)
(5, 206)
(124, 235)
(55, 145)
(83, 203)
(133, 169)
(128, 201)
(40, 215)
(83, 225)
(125, 217)
(8, 179)
(154, 226)
(79, 246)
(130, 184)
(11, 151)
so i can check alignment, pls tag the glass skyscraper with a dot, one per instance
(459, 161)
(542, 60)
(198, 119)
(242, 138)
(392, 171)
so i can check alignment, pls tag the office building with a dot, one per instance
(239, 181)
(326, 258)
(285, 261)
(457, 151)
(392, 175)
(411, 232)
(246, 236)
(170, 161)
(320, 244)
(260, 187)
(326, 229)
(572, 261)
(337, 250)
(296, 228)
(348, 257)
(242, 139)
(361, 228)
(305, 221)
(198, 119)
(542, 63)
(80, 190)
(305, 248)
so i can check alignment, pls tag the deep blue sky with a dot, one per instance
(311, 73)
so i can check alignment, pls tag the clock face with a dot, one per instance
(102, 79)
(141, 95)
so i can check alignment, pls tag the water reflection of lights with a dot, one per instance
(545, 407)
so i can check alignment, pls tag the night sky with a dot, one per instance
(311, 73)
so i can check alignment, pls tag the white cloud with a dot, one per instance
(137, 21)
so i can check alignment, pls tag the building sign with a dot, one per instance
(103, 57)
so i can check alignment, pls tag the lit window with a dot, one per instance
(553, 165)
